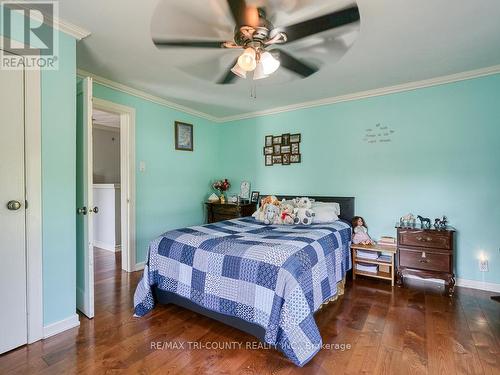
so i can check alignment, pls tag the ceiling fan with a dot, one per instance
(255, 34)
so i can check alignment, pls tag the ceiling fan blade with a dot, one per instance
(319, 24)
(229, 77)
(243, 14)
(189, 43)
(291, 63)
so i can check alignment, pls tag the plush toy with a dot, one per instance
(303, 202)
(272, 214)
(260, 214)
(287, 215)
(304, 216)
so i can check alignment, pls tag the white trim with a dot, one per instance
(442, 80)
(139, 266)
(370, 93)
(66, 27)
(143, 95)
(61, 326)
(33, 165)
(107, 246)
(127, 175)
(481, 285)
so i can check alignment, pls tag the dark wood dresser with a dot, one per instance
(427, 253)
(227, 211)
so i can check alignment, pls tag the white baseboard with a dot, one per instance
(107, 246)
(139, 266)
(61, 326)
(481, 285)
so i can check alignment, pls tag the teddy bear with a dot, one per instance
(287, 215)
(260, 214)
(303, 213)
(272, 214)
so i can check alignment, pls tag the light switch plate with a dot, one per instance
(483, 265)
(142, 166)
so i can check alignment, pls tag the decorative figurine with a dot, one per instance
(360, 232)
(425, 222)
(441, 224)
(407, 221)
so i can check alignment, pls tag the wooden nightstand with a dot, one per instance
(426, 253)
(227, 211)
(391, 251)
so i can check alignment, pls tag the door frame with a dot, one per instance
(33, 186)
(127, 178)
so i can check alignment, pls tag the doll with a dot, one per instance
(360, 232)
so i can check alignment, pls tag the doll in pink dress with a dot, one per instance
(360, 232)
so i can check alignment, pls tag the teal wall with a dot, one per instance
(171, 192)
(58, 104)
(444, 158)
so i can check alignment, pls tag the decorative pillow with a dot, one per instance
(325, 212)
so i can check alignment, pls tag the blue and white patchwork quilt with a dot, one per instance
(272, 275)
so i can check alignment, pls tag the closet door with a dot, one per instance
(13, 316)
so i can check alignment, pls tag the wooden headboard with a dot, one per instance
(347, 211)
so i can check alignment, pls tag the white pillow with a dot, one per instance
(331, 205)
(324, 214)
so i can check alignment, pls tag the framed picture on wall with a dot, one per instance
(295, 148)
(286, 159)
(269, 160)
(268, 150)
(285, 149)
(277, 140)
(183, 136)
(277, 159)
(295, 138)
(277, 149)
(295, 158)
(269, 140)
(285, 139)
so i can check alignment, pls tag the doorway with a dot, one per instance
(105, 188)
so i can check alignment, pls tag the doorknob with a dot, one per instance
(14, 205)
(95, 210)
(81, 211)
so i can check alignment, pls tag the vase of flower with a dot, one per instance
(221, 186)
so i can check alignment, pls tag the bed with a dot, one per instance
(266, 280)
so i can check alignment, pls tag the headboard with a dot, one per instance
(347, 211)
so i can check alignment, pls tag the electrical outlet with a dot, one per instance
(483, 265)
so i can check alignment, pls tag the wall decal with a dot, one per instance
(378, 134)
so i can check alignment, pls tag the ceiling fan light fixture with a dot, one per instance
(269, 63)
(239, 71)
(258, 73)
(248, 61)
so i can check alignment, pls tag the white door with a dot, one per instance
(13, 316)
(84, 201)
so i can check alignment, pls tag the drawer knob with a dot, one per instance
(423, 261)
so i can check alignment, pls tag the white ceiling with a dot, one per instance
(398, 42)
(105, 118)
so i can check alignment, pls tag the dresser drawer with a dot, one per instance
(219, 217)
(226, 209)
(438, 240)
(424, 260)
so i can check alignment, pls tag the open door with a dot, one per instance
(84, 202)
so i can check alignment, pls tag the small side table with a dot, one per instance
(391, 251)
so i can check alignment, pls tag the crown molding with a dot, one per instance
(144, 95)
(59, 24)
(304, 105)
(370, 93)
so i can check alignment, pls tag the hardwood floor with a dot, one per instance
(384, 330)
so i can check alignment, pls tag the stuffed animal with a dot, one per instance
(303, 202)
(272, 214)
(304, 216)
(287, 215)
(260, 214)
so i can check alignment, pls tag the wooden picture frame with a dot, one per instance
(286, 159)
(277, 140)
(269, 141)
(268, 150)
(285, 139)
(295, 148)
(269, 160)
(277, 149)
(295, 138)
(183, 136)
(277, 159)
(286, 149)
(295, 158)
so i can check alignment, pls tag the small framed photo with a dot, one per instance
(254, 198)
(295, 158)
(277, 140)
(277, 149)
(295, 148)
(277, 159)
(269, 140)
(285, 149)
(183, 136)
(269, 160)
(295, 138)
(286, 159)
(268, 150)
(285, 139)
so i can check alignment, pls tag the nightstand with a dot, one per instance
(389, 263)
(426, 253)
(227, 211)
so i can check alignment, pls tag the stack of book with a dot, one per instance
(372, 255)
(387, 241)
(363, 267)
